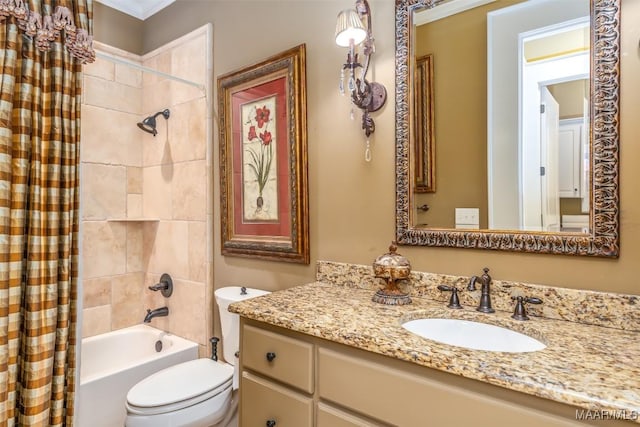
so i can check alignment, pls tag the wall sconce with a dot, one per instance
(367, 96)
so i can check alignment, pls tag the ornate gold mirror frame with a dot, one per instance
(603, 239)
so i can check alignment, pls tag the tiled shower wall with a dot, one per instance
(145, 200)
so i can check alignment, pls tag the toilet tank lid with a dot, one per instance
(230, 294)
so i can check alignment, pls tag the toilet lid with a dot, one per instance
(180, 382)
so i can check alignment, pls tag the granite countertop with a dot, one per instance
(592, 367)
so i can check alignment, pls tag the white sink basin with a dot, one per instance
(473, 335)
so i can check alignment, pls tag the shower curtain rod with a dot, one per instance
(147, 69)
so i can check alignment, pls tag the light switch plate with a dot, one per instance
(467, 216)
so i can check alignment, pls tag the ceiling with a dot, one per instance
(141, 9)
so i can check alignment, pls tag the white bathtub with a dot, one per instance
(112, 363)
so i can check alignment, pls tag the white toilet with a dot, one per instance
(197, 393)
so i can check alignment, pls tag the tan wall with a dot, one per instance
(352, 202)
(458, 46)
(570, 97)
(118, 29)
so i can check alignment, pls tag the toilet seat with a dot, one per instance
(179, 386)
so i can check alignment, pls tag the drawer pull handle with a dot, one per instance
(271, 423)
(270, 357)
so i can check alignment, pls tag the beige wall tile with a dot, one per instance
(188, 61)
(103, 191)
(205, 350)
(122, 259)
(149, 234)
(134, 205)
(188, 191)
(156, 98)
(187, 306)
(112, 95)
(128, 75)
(198, 124)
(211, 315)
(187, 133)
(96, 292)
(157, 183)
(104, 248)
(183, 92)
(101, 68)
(169, 253)
(198, 251)
(96, 320)
(160, 62)
(127, 307)
(110, 136)
(135, 238)
(134, 180)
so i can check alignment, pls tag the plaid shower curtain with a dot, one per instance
(42, 46)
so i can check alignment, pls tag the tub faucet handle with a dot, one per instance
(165, 286)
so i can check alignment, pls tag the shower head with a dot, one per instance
(149, 124)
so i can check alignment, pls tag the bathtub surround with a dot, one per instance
(146, 198)
(583, 365)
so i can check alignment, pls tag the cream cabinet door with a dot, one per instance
(405, 400)
(267, 404)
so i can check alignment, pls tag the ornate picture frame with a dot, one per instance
(602, 240)
(263, 159)
(425, 144)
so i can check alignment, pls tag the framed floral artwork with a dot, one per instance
(263, 159)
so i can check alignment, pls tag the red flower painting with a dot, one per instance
(260, 159)
(262, 116)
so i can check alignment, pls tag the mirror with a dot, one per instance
(489, 154)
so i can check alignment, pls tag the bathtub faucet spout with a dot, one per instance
(158, 312)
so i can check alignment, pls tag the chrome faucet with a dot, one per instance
(485, 292)
(158, 312)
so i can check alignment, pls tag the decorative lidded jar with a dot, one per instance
(392, 267)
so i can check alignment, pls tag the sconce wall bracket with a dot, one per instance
(367, 96)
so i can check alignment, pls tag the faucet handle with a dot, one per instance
(454, 302)
(520, 313)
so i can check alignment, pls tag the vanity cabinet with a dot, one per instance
(326, 384)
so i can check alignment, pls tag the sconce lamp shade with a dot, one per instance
(349, 27)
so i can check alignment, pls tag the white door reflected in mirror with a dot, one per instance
(544, 51)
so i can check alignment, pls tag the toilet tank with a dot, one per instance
(230, 322)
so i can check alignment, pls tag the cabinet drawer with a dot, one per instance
(401, 399)
(264, 401)
(285, 359)
(333, 417)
